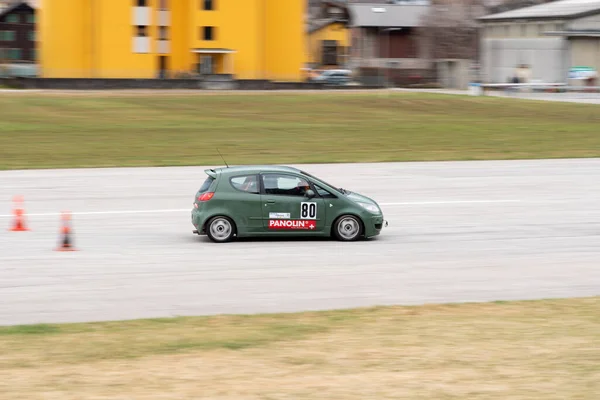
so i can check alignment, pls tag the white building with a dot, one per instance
(550, 38)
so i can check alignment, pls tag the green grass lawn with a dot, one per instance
(44, 130)
(545, 349)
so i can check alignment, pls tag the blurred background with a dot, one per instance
(404, 43)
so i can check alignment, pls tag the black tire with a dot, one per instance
(220, 229)
(347, 228)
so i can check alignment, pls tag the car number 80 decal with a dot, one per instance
(308, 210)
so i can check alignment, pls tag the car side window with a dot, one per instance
(245, 183)
(206, 184)
(323, 192)
(284, 185)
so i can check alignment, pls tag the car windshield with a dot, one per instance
(343, 191)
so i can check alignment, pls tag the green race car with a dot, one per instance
(247, 201)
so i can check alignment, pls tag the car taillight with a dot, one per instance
(206, 196)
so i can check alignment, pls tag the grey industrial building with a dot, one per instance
(550, 38)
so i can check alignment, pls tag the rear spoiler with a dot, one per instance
(211, 172)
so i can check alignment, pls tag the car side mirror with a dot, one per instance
(310, 194)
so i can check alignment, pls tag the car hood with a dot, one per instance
(357, 197)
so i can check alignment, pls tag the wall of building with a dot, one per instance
(547, 58)
(236, 26)
(65, 49)
(114, 35)
(366, 43)
(267, 37)
(591, 22)
(513, 30)
(95, 39)
(397, 50)
(181, 32)
(505, 45)
(398, 44)
(285, 50)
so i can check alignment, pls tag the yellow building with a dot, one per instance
(328, 44)
(251, 39)
(328, 34)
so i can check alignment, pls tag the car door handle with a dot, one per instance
(271, 201)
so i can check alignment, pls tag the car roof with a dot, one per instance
(253, 169)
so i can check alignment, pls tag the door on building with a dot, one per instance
(206, 65)
(163, 67)
(329, 49)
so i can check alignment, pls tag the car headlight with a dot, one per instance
(370, 207)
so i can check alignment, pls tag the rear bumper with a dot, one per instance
(198, 219)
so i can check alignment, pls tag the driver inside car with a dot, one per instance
(302, 187)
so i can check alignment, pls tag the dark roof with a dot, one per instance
(337, 3)
(15, 7)
(561, 9)
(575, 33)
(320, 24)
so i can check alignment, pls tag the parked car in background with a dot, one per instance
(334, 77)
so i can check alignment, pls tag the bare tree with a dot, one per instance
(450, 30)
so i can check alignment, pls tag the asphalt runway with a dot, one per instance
(459, 231)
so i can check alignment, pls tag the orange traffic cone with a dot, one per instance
(19, 223)
(66, 244)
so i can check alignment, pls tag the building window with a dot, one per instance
(7, 36)
(32, 36)
(31, 18)
(14, 54)
(12, 19)
(208, 5)
(163, 33)
(141, 3)
(208, 33)
(329, 53)
(141, 31)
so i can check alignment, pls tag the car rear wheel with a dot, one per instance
(347, 228)
(220, 229)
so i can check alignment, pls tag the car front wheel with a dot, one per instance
(347, 228)
(220, 229)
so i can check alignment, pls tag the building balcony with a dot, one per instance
(141, 16)
(163, 46)
(164, 18)
(141, 44)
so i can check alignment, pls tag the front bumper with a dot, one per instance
(375, 225)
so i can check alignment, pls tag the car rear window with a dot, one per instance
(206, 184)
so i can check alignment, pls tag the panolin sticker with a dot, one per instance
(292, 224)
(277, 215)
